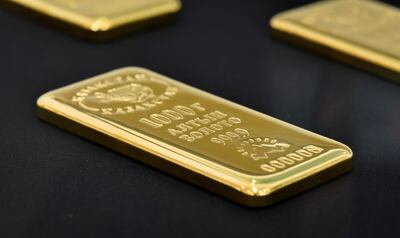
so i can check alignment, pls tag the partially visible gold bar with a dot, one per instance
(232, 150)
(363, 33)
(99, 19)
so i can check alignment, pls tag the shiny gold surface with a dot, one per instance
(102, 15)
(363, 32)
(232, 150)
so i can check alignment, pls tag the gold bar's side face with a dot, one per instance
(102, 15)
(363, 29)
(252, 153)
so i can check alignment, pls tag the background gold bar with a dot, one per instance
(99, 19)
(232, 150)
(363, 33)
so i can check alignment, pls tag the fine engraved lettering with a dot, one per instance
(230, 136)
(165, 117)
(192, 122)
(298, 156)
(124, 94)
(210, 129)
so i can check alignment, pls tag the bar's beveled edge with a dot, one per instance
(101, 23)
(250, 190)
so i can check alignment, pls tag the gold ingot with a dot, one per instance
(232, 150)
(363, 33)
(100, 19)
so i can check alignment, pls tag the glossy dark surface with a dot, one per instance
(55, 184)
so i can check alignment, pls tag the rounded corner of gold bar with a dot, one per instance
(132, 69)
(349, 151)
(253, 190)
(263, 195)
(275, 21)
(346, 157)
(346, 151)
(176, 5)
(43, 100)
(100, 24)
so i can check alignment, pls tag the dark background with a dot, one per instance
(55, 184)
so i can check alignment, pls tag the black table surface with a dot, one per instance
(55, 184)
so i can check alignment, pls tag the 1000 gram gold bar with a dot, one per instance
(363, 33)
(232, 150)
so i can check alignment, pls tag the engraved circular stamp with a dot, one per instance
(261, 147)
(124, 94)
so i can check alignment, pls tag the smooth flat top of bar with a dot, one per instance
(102, 14)
(202, 132)
(370, 24)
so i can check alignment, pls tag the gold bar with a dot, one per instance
(232, 150)
(363, 33)
(100, 19)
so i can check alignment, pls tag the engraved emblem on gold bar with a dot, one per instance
(232, 150)
(101, 18)
(364, 33)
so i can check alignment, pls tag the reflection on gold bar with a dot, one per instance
(232, 150)
(100, 19)
(360, 32)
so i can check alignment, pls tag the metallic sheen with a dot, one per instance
(360, 32)
(232, 150)
(97, 17)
